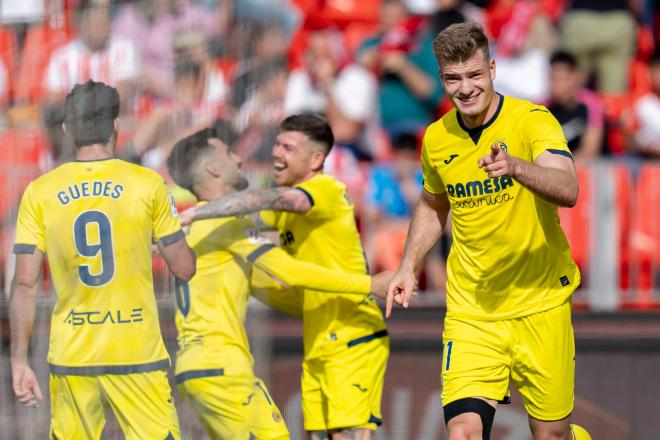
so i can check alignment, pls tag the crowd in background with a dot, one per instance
(368, 65)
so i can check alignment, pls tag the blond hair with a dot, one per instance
(459, 42)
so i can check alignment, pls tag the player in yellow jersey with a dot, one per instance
(96, 218)
(214, 365)
(345, 338)
(502, 166)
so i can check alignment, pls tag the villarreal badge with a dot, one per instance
(277, 417)
(502, 146)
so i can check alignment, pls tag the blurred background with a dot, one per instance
(242, 65)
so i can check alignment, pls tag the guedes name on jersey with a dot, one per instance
(479, 187)
(95, 188)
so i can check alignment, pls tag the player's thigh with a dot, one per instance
(143, 404)
(76, 407)
(544, 363)
(267, 422)
(353, 385)
(314, 403)
(475, 360)
(222, 404)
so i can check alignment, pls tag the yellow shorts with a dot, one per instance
(345, 391)
(536, 353)
(142, 403)
(232, 407)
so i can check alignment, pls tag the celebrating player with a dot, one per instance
(502, 166)
(345, 339)
(214, 365)
(95, 218)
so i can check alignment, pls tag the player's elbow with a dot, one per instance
(186, 268)
(572, 196)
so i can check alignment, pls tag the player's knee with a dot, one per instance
(469, 419)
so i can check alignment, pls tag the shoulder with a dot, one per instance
(437, 131)
(323, 184)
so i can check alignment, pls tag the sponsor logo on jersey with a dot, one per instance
(98, 317)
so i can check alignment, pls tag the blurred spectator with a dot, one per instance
(646, 115)
(185, 114)
(346, 92)
(392, 191)
(447, 12)
(402, 56)
(523, 37)
(96, 54)
(4, 85)
(601, 34)
(579, 111)
(152, 25)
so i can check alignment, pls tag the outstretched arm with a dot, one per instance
(22, 306)
(552, 177)
(246, 202)
(426, 226)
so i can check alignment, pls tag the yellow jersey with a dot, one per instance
(509, 257)
(95, 221)
(327, 235)
(211, 307)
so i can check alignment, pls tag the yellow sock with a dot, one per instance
(579, 433)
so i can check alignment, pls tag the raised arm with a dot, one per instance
(246, 202)
(552, 177)
(22, 304)
(426, 226)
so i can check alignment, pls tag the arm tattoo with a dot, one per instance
(318, 435)
(247, 202)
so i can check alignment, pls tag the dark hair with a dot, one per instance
(564, 57)
(313, 125)
(405, 142)
(91, 109)
(186, 68)
(459, 42)
(185, 154)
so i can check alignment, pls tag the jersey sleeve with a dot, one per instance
(29, 225)
(543, 133)
(166, 226)
(274, 261)
(432, 180)
(323, 199)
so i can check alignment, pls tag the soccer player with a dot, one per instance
(96, 218)
(214, 366)
(345, 338)
(502, 166)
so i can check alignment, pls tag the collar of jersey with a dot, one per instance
(475, 133)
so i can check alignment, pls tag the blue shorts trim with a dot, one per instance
(197, 374)
(96, 370)
(368, 338)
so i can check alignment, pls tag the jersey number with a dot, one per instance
(182, 296)
(101, 248)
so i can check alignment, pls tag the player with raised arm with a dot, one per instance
(502, 166)
(214, 365)
(96, 218)
(345, 338)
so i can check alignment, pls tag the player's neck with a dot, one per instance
(205, 191)
(480, 119)
(307, 177)
(95, 152)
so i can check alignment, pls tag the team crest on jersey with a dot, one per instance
(502, 146)
(175, 212)
(277, 417)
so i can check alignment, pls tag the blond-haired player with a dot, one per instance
(502, 166)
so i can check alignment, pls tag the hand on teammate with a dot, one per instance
(25, 385)
(379, 283)
(401, 289)
(499, 163)
(187, 216)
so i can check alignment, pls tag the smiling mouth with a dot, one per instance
(279, 166)
(469, 100)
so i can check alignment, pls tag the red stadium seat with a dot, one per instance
(645, 237)
(615, 107)
(8, 53)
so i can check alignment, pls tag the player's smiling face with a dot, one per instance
(294, 158)
(229, 164)
(469, 84)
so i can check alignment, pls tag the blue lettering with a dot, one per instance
(85, 189)
(119, 320)
(61, 196)
(106, 188)
(487, 188)
(474, 188)
(97, 188)
(506, 182)
(75, 196)
(450, 189)
(117, 191)
(496, 184)
(460, 190)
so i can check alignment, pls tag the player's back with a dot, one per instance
(327, 235)
(211, 307)
(95, 220)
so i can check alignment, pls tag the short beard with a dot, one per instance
(241, 184)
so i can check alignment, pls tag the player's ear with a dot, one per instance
(491, 67)
(211, 169)
(318, 157)
(115, 123)
(64, 128)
